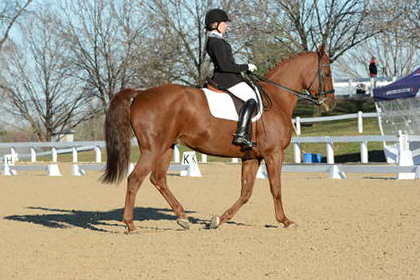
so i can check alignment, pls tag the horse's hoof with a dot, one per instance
(214, 222)
(184, 223)
(289, 224)
(129, 227)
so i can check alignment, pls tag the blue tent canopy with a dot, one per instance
(405, 87)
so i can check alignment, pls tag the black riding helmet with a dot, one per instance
(215, 15)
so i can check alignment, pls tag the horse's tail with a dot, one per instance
(117, 136)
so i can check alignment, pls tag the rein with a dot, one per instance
(304, 94)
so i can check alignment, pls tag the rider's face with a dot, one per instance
(222, 27)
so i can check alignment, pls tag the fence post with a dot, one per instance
(297, 152)
(335, 173)
(53, 170)
(360, 121)
(203, 158)
(98, 154)
(33, 154)
(364, 152)
(298, 126)
(54, 154)
(330, 153)
(404, 156)
(372, 85)
(190, 159)
(74, 154)
(350, 88)
(176, 154)
(8, 160)
(13, 153)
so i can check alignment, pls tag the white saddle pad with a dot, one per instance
(222, 107)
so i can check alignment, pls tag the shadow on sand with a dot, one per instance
(96, 220)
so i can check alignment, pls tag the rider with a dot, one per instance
(227, 73)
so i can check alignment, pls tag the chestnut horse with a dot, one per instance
(169, 114)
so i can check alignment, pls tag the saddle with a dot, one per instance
(213, 86)
(225, 105)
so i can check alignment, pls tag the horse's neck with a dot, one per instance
(288, 75)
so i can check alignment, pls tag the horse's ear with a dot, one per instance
(321, 50)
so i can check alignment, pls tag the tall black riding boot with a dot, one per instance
(241, 137)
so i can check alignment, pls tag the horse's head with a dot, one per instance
(318, 80)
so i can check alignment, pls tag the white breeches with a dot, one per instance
(243, 91)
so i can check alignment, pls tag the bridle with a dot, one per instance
(321, 83)
(318, 98)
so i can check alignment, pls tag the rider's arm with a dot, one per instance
(224, 59)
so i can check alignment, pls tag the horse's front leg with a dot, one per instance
(273, 164)
(249, 173)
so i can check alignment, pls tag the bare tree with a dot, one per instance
(179, 30)
(410, 23)
(38, 84)
(180, 37)
(395, 57)
(338, 25)
(395, 47)
(103, 36)
(10, 11)
(255, 34)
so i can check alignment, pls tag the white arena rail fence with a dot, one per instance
(359, 116)
(74, 147)
(298, 121)
(56, 148)
(339, 171)
(329, 141)
(188, 166)
(405, 169)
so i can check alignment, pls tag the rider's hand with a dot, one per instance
(252, 67)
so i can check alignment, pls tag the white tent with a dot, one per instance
(398, 107)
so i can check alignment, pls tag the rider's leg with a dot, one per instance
(241, 136)
(243, 91)
(247, 94)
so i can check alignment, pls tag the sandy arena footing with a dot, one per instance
(363, 227)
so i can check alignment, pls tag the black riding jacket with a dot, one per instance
(226, 72)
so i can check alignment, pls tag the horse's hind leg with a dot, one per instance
(249, 174)
(134, 181)
(158, 179)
